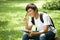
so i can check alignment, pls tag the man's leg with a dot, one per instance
(50, 35)
(36, 37)
(25, 37)
(42, 37)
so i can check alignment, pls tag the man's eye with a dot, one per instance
(29, 11)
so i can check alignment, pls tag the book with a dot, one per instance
(25, 31)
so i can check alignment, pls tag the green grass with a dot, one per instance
(11, 16)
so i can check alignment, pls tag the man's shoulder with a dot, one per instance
(44, 13)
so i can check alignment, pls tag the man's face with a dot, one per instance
(31, 12)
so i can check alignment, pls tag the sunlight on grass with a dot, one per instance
(20, 5)
(19, 28)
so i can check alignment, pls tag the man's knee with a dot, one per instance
(42, 36)
(25, 36)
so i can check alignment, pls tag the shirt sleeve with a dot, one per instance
(46, 19)
(29, 22)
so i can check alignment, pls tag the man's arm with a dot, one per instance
(43, 31)
(45, 28)
(26, 24)
(28, 27)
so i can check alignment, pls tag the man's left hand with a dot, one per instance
(32, 33)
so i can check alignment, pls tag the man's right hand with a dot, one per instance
(25, 20)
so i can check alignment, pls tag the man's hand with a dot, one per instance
(31, 33)
(24, 20)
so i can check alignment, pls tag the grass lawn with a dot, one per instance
(12, 13)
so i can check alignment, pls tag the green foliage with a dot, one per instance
(52, 5)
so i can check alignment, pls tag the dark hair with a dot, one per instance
(32, 6)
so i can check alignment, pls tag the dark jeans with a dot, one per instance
(45, 36)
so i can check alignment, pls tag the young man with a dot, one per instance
(43, 30)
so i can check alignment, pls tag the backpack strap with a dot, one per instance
(41, 18)
(52, 23)
(32, 20)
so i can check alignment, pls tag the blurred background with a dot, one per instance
(13, 11)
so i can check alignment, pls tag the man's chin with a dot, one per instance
(32, 16)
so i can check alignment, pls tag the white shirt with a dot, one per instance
(39, 24)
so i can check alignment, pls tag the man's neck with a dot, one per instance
(36, 15)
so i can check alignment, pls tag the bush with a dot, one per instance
(53, 5)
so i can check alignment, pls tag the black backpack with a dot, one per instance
(42, 20)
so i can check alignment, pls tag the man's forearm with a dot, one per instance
(40, 32)
(37, 33)
(26, 25)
